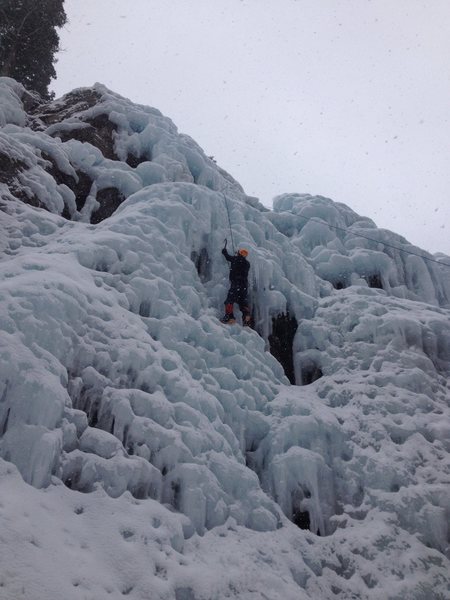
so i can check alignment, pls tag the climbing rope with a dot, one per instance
(229, 221)
(345, 230)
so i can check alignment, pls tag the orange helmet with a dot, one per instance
(243, 252)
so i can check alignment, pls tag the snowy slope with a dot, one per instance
(149, 451)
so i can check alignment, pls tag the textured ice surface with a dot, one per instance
(192, 469)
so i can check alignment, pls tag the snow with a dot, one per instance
(147, 450)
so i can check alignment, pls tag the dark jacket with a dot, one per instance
(239, 268)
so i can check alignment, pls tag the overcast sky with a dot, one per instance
(349, 99)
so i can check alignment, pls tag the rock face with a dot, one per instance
(193, 461)
(90, 150)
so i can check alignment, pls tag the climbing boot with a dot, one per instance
(247, 321)
(228, 319)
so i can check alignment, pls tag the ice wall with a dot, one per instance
(118, 381)
(346, 249)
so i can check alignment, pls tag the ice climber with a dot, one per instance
(239, 267)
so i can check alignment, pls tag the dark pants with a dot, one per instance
(237, 294)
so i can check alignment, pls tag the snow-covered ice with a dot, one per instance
(147, 450)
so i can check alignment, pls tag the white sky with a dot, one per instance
(349, 99)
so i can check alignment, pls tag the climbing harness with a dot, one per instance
(229, 222)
